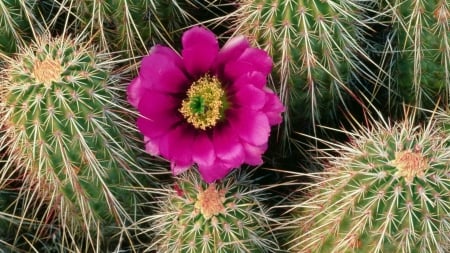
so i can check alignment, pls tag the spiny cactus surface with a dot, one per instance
(387, 191)
(417, 53)
(226, 216)
(129, 26)
(66, 136)
(316, 50)
(16, 17)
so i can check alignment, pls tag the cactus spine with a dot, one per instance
(388, 191)
(226, 216)
(417, 52)
(316, 50)
(130, 26)
(15, 19)
(66, 136)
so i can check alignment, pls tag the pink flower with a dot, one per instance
(209, 107)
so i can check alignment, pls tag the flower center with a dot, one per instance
(410, 164)
(47, 71)
(205, 103)
(210, 201)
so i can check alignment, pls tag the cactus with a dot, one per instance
(129, 26)
(67, 136)
(417, 53)
(226, 216)
(387, 191)
(317, 53)
(15, 19)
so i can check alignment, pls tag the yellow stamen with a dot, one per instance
(210, 201)
(410, 164)
(47, 71)
(205, 104)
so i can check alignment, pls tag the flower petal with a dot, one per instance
(200, 48)
(251, 126)
(155, 103)
(232, 49)
(180, 142)
(160, 72)
(169, 53)
(135, 91)
(150, 146)
(253, 154)
(203, 150)
(252, 59)
(214, 172)
(251, 97)
(177, 169)
(273, 108)
(153, 128)
(227, 146)
(159, 114)
(255, 78)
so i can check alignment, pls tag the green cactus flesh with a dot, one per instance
(388, 191)
(130, 26)
(226, 216)
(63, 132)
(420, 45)
(315, 48)
(15, 18)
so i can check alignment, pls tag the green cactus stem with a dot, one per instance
(68, 137)
(226, 216)
(388, 190)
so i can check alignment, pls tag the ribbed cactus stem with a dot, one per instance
(317, 52)
(129, 26)
(225, 216)
(16, 17)
(67, 136)
(418, 52)
(387, 191)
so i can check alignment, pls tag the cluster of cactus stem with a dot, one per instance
(224, 217)
(130, 26)
(69, 149)
(316, 49)
(67, 137)
(416, 54)
(387, 191)
(16, 17)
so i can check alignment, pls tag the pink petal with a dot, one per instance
(160, 72)
(156, 104)
(200, 48)
(232, 49)
(255, 78)
(251, 97)
(227, 146)
(135, 91)
(169, 53)
(150, 146)
(203, 150)
(180, 142)
(158, 114)
(273, 108)
(214, 172)
(253, 154)
(154, 128)
(177, 169)
(251, 126)
(252, 59)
